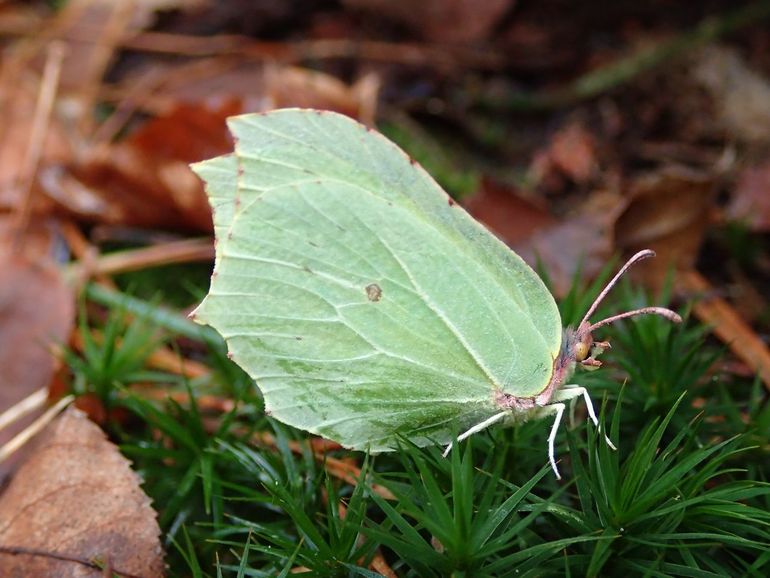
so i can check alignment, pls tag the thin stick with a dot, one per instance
(184, 251)
(636, 258)
(43, 110)
(23, 437)
(25, 406)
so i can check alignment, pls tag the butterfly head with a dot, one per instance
(579, 345)
(579, 348)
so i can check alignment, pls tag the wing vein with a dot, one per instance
(443, 317)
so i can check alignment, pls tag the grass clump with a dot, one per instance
(241, 495)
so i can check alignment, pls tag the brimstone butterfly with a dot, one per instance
(366, 304)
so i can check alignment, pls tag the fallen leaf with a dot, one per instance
(571, 154)
(290, 86)
(583, 241)
(669, 212)
(750, 200)
(506, 213)
(450, 21)
(76, 497)
(145, 180)
(93, 31)
(212, 82)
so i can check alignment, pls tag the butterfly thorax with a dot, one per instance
(577, 346)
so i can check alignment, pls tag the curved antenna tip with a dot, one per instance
(661, 311)
(638, 256)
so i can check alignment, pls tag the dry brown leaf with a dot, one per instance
(213, 81)
(450, 21)
(289, 86)
(584, 241)
(507, 214)
(36, 312)
(669, 212)
(77, 497)
(750, 202)
(145, 180)
(571, 153)
(38, 242)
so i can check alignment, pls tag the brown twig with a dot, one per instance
(294, 52)
(43, 110)
(185, 251)
(728, 325)
(22, 551)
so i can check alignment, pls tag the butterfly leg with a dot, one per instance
(477, 428)
(570, 392)
(558, 409)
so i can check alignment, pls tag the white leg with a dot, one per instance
(574, 391)
(559, 409)
(477, 428)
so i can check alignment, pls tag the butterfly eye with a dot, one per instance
(581, 351)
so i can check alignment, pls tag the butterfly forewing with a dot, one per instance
(364, 303)
(221, 177)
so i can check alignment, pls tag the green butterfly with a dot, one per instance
(366, 304)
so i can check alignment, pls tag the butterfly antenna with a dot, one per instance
(662, 311)
(635, 259)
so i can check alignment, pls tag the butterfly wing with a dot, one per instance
(364, 302)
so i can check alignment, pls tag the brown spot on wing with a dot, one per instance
(373, 292)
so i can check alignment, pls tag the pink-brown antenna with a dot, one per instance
(662, 311)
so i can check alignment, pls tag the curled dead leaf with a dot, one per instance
(144, 180)
(76, 501)
(583, 241)
(668, 211)
(289, 86)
